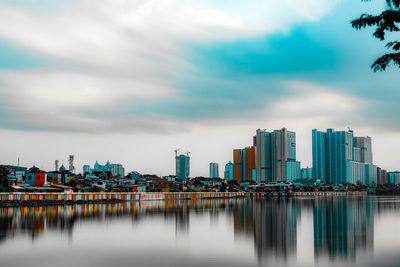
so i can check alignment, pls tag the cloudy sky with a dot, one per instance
(131, 80)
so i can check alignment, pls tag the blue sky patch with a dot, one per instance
(13, 57)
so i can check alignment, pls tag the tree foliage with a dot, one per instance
(387, 21)
(4, 176)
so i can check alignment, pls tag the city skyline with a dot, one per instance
(201, 75)
(272, 158)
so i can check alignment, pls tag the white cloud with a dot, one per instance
(313, 106)
(111, 54)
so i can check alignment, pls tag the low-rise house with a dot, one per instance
(17, 171)
(35, 177)
(54, 177)
(160, 184)
(135, 175)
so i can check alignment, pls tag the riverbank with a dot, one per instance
(39, 199)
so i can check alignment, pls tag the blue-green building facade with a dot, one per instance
(182, 166)
(214, 170)
(306, 173)
(228, 173)
(339, 157)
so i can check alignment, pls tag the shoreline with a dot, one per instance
(14, 199)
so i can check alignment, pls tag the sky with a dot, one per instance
(129, 81)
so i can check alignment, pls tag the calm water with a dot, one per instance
(346, 231)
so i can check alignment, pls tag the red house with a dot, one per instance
(35, 177)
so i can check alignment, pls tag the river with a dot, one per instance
(325, 231)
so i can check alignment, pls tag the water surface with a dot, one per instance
(330, 231)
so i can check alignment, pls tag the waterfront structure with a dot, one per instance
(115, 169)
(306, 173)
(182, 166)
(394, 177)
(54, 177)
(214, 172)
(244, 164)
(228, 173)
(17, 171)
(339, 157)
(135, 175)
(35, 177)
(276, 156)
(382, 176)
(86, 169)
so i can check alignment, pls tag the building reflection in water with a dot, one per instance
(341, 226)
(36, 220)
(272, 223)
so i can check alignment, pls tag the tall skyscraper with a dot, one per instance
(214, 172)
(339, 157)
(228, 173)
(244, 164)
(237, 165)
(364, 144)
(382, 176)
(182, 166)
(276, 156)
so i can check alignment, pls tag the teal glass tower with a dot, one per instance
(228, 173)
(339, 157)
(182, 166)
(214, 170)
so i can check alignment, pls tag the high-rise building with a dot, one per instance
(394, 177)
(306, 173)
(228, 173)
(276, 156)
(182, 166)
(339, 157)
(364, 144)
(244, 164)
(382, 176)
(237, 165)
(263, 140)
(214, 172)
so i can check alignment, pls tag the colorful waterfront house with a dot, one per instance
(35, 177)
(135, 175)
(138, 188)
(67, 177)
(54, 177)
(17, 171)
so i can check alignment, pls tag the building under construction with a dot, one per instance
(182, 165)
